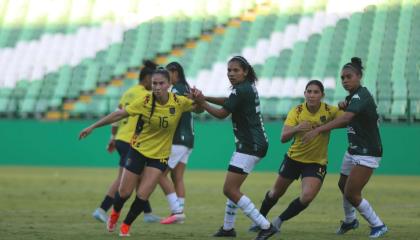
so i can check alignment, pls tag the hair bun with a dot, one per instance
(357, 61)
(149, 64)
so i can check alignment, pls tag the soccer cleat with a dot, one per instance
(225, 233)
(174, 218)
(100, 215)
(266, 233)
(378, 231)
(112, 220)
(124, 230)
(151, 218)
(254, 228)
(345, 227)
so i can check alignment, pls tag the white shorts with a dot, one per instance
(244, 161)
(352, 160)
(179, 153)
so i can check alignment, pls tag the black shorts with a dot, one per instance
(136, 162)
(292, 169)
(122, 149)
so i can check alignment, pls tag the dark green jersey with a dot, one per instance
(184, 134)
(363, 130)
(248, 127)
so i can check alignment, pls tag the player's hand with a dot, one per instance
(85, 132)
(111, 145)
(342, 105)
(197, 96)
(304, 126)
(309, 136)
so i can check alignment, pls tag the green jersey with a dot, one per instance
(184, 134)
(363, 130)
(248, 127)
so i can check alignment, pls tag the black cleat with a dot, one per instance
(345, 227)
(225, 233)
(266, 233)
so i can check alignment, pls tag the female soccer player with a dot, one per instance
(121, 134)
(364, 152)
(158, 113)
(183, 143)
(308, 161)
(251, 142)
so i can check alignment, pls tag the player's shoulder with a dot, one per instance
(328, 107)
(298, 109)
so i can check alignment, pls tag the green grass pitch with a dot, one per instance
(56, 203)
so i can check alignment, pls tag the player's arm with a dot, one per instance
(110, 118)
(339, 122)
(111, 144)
(216, 100)
(289, 132)
(220, 113)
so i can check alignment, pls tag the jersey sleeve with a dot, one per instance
(356, 104)
(186, 104)
(291, 119)
(336, 112)
(234, 100)
(137, 106)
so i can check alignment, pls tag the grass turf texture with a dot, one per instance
(56, 203)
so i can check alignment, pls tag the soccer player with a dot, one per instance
(158, 114)
(364, 152)
(121, 134)
(251, 142)
(308, 161)
(183, 143)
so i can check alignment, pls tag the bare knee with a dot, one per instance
(353, 198)
(306, 198)
(124, 193)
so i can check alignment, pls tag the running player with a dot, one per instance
(159, 114)
(251, 142)
(364, 152)
(308, 161)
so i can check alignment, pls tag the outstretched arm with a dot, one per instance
(220, 113)
(216, 100)
(108, 119)
(339, 122)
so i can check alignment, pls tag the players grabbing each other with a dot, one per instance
(364, 152)
(307, 161)
(183, 143)
(251, 142)
(122, 133)
(158, 114)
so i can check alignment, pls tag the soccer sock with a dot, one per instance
(107, 203)
(230, 215)
(147, 207)
(173, 203)
(181, 202)
(267, 204)
(294, 208)
(136, 208)
(118, 202)
(249, 209)
(349, 211)
(367, 212)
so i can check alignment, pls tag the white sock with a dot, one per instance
(367, 212)
(230, 215)
(249, 209)
(173, 202)
(181, 202)
(349, 211)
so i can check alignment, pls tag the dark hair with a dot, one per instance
(251, 76)
(355, 65)
(165, 73)
(148, 69)
(315, 82)
(175, 66)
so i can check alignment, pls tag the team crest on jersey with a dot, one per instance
(323, 118)
(172, 110)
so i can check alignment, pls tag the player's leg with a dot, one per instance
(149, 217)
(177, 213)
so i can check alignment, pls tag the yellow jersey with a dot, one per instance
(154, 138)
(316, 150)
(127, 126)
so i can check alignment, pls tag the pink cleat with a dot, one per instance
(174, 218)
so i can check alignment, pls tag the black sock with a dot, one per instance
(107, 203)
(135, 210)
(294, 208)
(267, 204)
(118, 202)
(147, 207)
